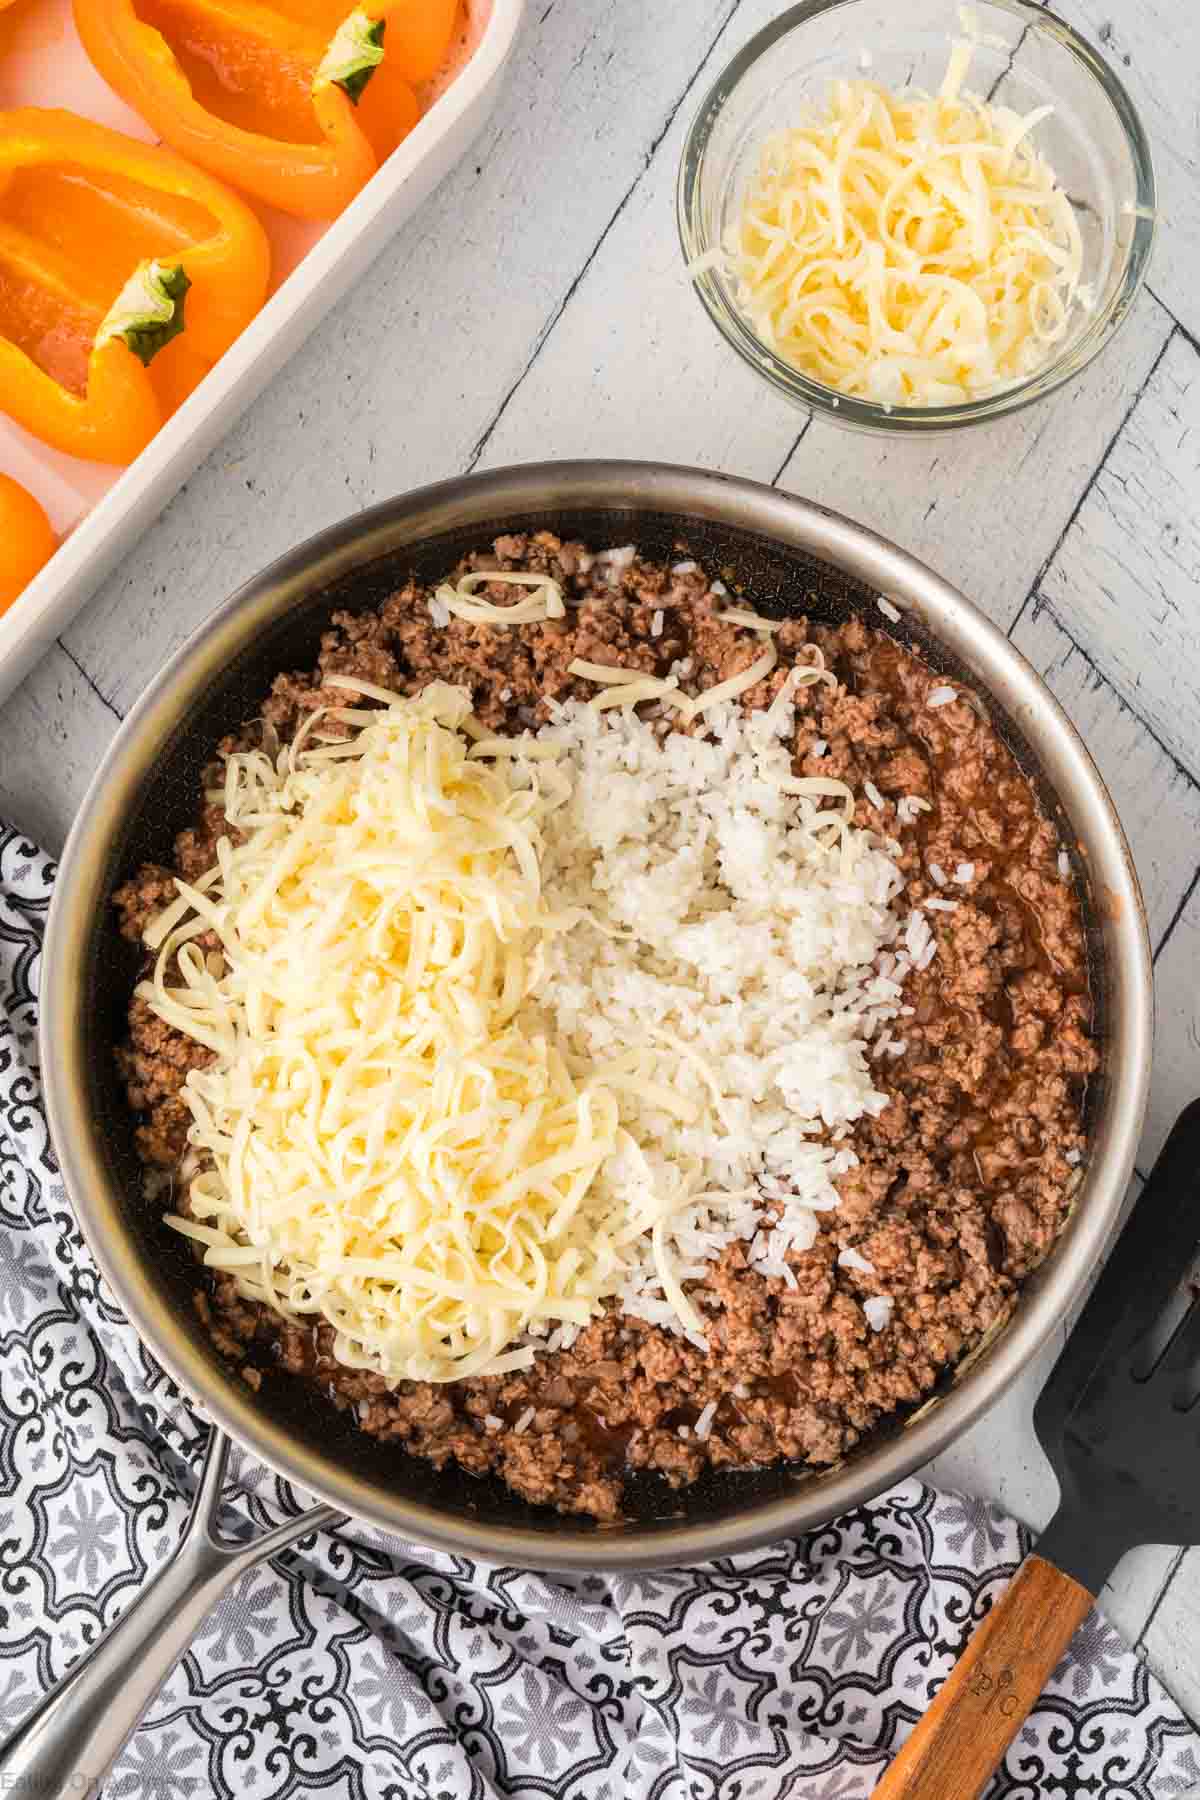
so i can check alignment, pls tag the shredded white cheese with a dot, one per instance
(604, 672)
(631, 693)
(382, 1145)
(544, 602)
(503, 1028)
(629, 687)
(906, 248)
(742, 615)
(736, 685)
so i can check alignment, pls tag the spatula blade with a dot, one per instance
(1150, 1255)
(1111, 1419)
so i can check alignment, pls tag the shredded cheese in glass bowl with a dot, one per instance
(911, 218)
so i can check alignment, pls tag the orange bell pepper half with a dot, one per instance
(418, 35)
(109, 250)
(27, 539)
(296, 102)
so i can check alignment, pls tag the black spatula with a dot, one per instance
(1120, 1423)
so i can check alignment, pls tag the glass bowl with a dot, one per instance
(1022, 57)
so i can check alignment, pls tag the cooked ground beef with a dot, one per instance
(963, 1182)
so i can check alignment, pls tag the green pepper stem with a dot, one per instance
(148, 311)
(355, 52)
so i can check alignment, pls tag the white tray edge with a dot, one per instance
(328, 269)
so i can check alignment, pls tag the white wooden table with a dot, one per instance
(536, 308)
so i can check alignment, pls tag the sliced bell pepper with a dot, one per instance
(419, 33)
(296, 102)
(109, 250)
(27, 539)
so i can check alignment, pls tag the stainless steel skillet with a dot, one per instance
(791, 555)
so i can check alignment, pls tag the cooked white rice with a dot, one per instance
(735, 951)
(704, 1423)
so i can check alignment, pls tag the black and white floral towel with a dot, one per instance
(370, 1669)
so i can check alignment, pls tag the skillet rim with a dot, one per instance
(622, 487)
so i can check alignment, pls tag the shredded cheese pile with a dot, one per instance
(504, 1028)
(909, 249)
(378, 1142)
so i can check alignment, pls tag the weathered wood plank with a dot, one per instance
(1131, 1594)
(1177, 1026)
(1171, 1642)
(1125, 578)
(1154, 46)
(399, 384)
(1020, 1479)
(634, 367)
(1165, 834)
(1160, 808)
(987, 507)
(53, 732)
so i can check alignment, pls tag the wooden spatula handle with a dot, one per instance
(991, 1690)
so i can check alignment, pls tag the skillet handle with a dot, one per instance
(991, 1690)
(67, 1745)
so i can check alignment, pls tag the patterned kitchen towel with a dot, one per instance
(364, 1668)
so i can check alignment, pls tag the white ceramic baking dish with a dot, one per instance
(104, 510)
